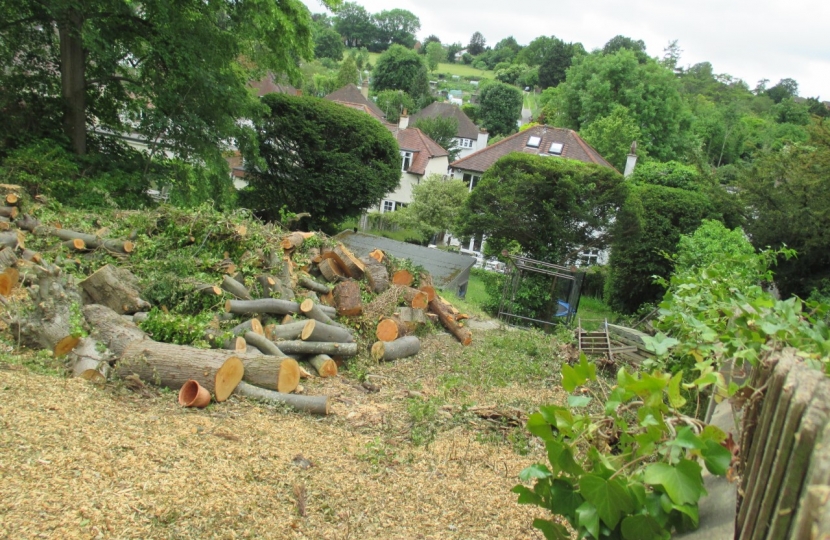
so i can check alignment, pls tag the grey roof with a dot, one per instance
(466, 128)
(442, 265)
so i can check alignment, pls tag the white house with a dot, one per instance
(469, 137)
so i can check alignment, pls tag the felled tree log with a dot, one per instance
(312, 285)
(8, 280)
(4, 224)
(429, 290)
(90, 240)
(237, 344)
(415, 298)
(317, 347)
(236, 288)
(376, 275)
(291, 330)
(318, 313)
(9, 211)
(50, 320)
(273, 369)
(263, 305)
(347, 298)
(204, 288)
(354, 267)
(309, 404)
(295, 240)
(251, 325)
(111, 329)
(87, 362)
(412, 317)
(377, 255)
(324, 365)
(403, 277)
(392, 350)
(113, 287)
(317, 331)
(447, 318)
(12, 239)
(8, 258)
(390, 329)
(268, 285)
(331, 270)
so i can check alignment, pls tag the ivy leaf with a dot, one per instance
(690, 510)
(578, 401)
(681, 482)
(551, 530)
(675, 399)
(540, 427)
(587, 517)
(716, 457)
(609, 496)
(535, 471)
(712, 433)
(586, 369)
(686, 438)
(660, 344)
(642, 527)
(527, 496)
(564, 500)
(571, 379)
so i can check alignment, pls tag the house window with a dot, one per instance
(407, 161)
(556, 148)
(471, 180)
(399, 205)
(534, 141)
(388, 206)
(465, 143)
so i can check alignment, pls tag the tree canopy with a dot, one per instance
(549, 207)
(477, 44)
(400, 68)
(303, 162)
(396, 26)
(442, 130)
(500, 107)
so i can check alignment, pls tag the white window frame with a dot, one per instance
(406, 160)
(387, 206)
(465, 143)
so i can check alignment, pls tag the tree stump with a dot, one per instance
(347, 298)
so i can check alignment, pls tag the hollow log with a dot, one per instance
(400, 348)
(324, 365)
(291, 330)
(113, 287)
(331, 270)
(415, 298)
(90, 240)
(376, 275)
(252, 325)
(309, 404)
(354, 267)
(317, 347)
(403, 277)
(312, 285)
(318, 313)
(447, 318)
(390, 329)
(236, 288)
(317, 331)
(347, 298)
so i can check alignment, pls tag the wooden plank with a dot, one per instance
(628, 333)
(814, 504)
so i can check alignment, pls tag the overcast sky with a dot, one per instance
(751, 40)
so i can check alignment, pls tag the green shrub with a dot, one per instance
(593, 284)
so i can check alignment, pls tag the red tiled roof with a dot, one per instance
(267, 85)
(422, 147)
(351, 96)
(573, 147)
(466, 128)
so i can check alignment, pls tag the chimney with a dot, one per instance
(482, 139)
(364, 88)
(631, 160)
(403, 122)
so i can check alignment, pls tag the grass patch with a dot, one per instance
(465, 305)
(476, 292)
(593, 312)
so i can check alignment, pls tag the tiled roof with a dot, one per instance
(351, 96)
(422, 147)
(573, 147)
(466, 128)
(267, 85)
(443, 266)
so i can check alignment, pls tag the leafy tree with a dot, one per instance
(787, 199)
(597, 83)
(612, 136)
(669, 174)
(148, 60)
(355, 24)
(435, 205)
(817, 108)
(500, 106)
(647, 229)
(619, 42)
(511, 73)
(303, 162)
(432, 38)
(508, 43)
(452, 49)
(347, 74)
(400, 68)
(534, 53)
(393, 102)
(477, 44)
(472, 111)
(395, 26)
(786, 88)
(556, 60)
(329, 44)
(443, 131)
(549, 207)
(671, 55)
(435, 54)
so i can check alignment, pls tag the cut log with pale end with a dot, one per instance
(392, 350)
(76, 245)
(211, 290)
(292, 330)
(377, 255)
(280, 373)
(12, 199)
(317, 331)
(327, 299)
(317, 347)
(65, 346)
(308, 404)
(317, 312)
(429, 290)
(31, 256)
(331, 270)
(447, 318)
(287, 319)
(390, 329)
(347, 298)
(8, 280)
(403, 277)
(268, 285)
(324, 365)
(461, 316)
(295, 240)
(312, 285)
(9, 211)
(236, 288)
(237, 344)
(376, 275)
(416, 299)
(227, 378)
(252, 325)
(354, 267)
(113, 287)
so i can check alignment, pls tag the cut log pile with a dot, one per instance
(279, 324)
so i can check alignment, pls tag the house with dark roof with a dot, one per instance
(357, 98)
(468, 139)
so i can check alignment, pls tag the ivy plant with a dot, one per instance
(625, 464)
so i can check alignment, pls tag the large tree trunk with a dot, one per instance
(73, 85)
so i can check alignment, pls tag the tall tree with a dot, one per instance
(400, 68)
(477, 44)
(328, 44)
(435, 55)
(148, 60)
(302, 160)
(500, 107)
(393, 103)
(396, 26)
(556, 59)
(355, 24)
(619, 42)
(612, 136)
(786, 88)
(347, 74)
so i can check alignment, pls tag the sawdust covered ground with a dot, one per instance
(85, 461)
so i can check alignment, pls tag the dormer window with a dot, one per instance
(556, 148)
(534, 141)
(406, 161)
